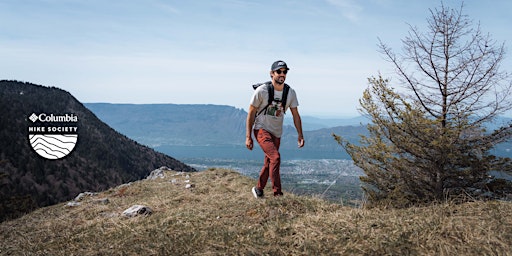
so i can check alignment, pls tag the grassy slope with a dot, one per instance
(219, 216)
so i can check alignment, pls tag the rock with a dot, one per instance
(137, 210)
(73, 204)
(158, 173)
(82, 195)
(189, 186)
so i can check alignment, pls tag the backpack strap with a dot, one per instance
(286, 89)
(270, 89)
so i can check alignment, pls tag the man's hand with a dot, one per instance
(298, 125)
(249, 125)
(249, 143)
(301, 142)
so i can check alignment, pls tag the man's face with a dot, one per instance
(279, 75)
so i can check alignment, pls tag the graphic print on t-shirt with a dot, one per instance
(275, 109)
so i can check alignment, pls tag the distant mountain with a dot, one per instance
(311, 123)
(213, 131)
(172, 124)
(101, 158)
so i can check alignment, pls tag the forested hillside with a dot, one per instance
(102, 157)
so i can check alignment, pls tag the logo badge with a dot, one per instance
(53, 136)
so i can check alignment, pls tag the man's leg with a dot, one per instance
(264, 173)
(270, 146)
(275, 170)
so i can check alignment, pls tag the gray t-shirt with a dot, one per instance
(272, 118)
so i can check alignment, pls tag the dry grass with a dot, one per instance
(219, 216)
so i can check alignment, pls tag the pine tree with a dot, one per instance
(428, 140)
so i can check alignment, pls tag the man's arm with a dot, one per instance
(298, 126)
(248, 126)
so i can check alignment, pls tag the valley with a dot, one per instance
(336, 180)
(322, 168)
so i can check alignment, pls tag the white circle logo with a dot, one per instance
(53, 146)
(53, 136)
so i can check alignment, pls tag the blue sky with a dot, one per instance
(210, 52)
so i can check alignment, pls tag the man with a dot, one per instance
(266, 122)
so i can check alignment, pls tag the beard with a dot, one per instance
(279, 79)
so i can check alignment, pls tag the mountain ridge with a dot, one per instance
(218, 131)
(101, 158)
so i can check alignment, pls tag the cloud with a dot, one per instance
(349, 8)
(166, 7)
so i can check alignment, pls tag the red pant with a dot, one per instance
(271, 165)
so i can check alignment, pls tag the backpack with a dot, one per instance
(270, 89)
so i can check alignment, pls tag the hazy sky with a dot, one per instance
(211, 52)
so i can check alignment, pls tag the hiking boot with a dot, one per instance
(257, 192)
(278, 193)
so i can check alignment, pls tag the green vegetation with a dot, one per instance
(101, 159)
(428, 141)
(219, 216)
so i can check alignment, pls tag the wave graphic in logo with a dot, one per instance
(53, 146)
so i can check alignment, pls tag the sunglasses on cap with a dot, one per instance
(279, 71)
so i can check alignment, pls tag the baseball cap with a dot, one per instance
(278, 65)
